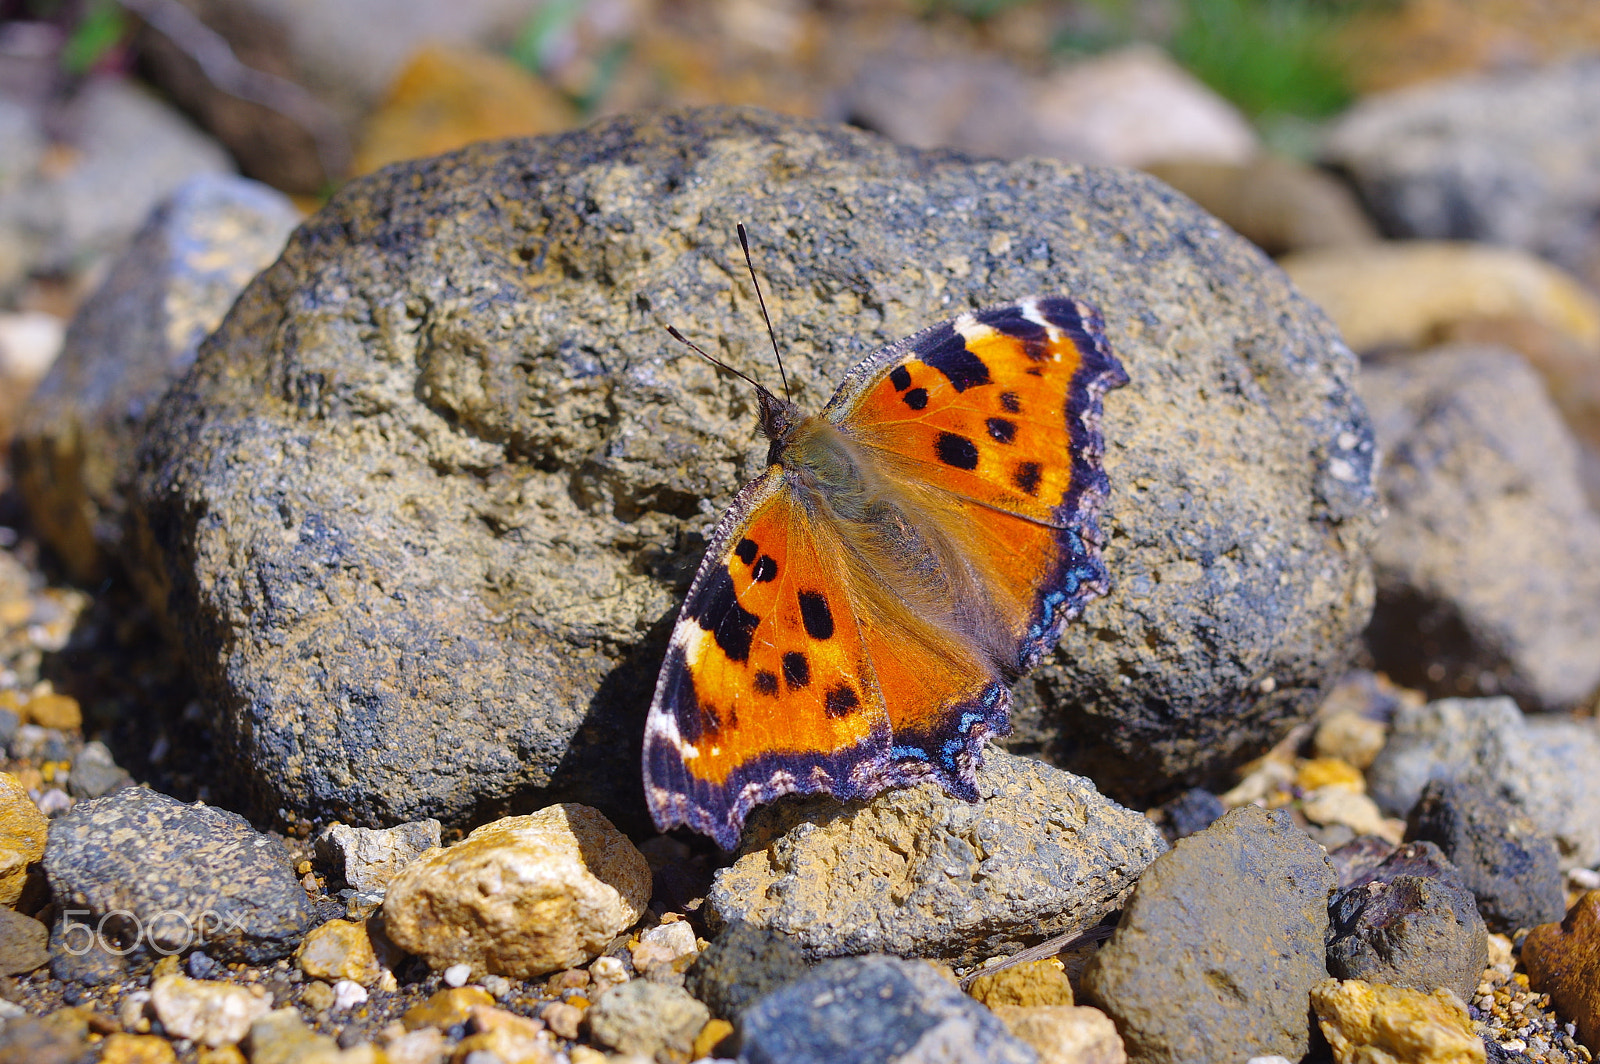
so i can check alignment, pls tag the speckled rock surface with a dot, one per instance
(918, 873)
(132, 337)
(1366, 1023)
(1542, 765)
(1222, 941)
(23, 830)
(1563, 960)
(183, 876)
(24, 943)
(1065, 1034)
(741, 965)
(875, 1010)
(1488, 566)
(367, 858)
(521, 896)
(647, 1018)
(1420, 932)
(517, 467)
(1510, 866)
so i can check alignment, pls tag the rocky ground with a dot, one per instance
(338, 550)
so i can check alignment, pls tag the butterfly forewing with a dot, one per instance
(766, 689)
(999, 408)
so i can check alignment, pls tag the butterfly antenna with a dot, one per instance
(744, 242)
(697, 349)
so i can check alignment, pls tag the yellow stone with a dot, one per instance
(60, 712)
(23, 831)
(1041, 982)
(219, 1055)
(449, 97)
(339, 949)
(1402, 293)
(710, 1036)
(446, 1008)
(1372, 1023)
(122, 1048)
(1329, 772)
(1065, 1034)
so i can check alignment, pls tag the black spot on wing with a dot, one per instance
(1061, 312)
(766, 683)
(1001, 430)
(946, 351)
(796, 670)
(816, 615)
(715, 608)
(841, 701)
(957, 451)
(746, 550)
(765, 570)
(900, 378)
(1010, 403)
(1027, 476)
(916, 398)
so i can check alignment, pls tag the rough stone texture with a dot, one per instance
(1214, 956)
(1412, 931)
(741, 965)
(521, 896)
(918, 873)
(516, 465)
(1194, 810)
(1508, 158)
(368, 858)
(217, 1014)
(875, 1010)
(1368, 1023)
(645, 1017)
(131, 338)
(1065, 1034)
(1510, 866)
(1563, 960)
(24, 943)
(1488, 566)
(1542, 766)
(192, 876)
(23, 830)
(1041, 982)
(339, 949)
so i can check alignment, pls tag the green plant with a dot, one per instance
(102, 27)
(1267, 56)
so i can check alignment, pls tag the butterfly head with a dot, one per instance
(779, 417)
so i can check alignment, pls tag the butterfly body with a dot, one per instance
(907, 553)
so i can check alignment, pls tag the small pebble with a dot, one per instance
(347, 995)
(214, 1013)
(562, 1018)
(457, 974)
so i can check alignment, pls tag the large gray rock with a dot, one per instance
(1509, 158)
(1489, 564)
(430, 492)
(1214, 957)
(918, 873)
(1544, 766)
(133, 337)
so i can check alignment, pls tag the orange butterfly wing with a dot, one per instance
(858, 646)
(999, 409)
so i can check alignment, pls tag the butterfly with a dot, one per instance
(906, 554)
